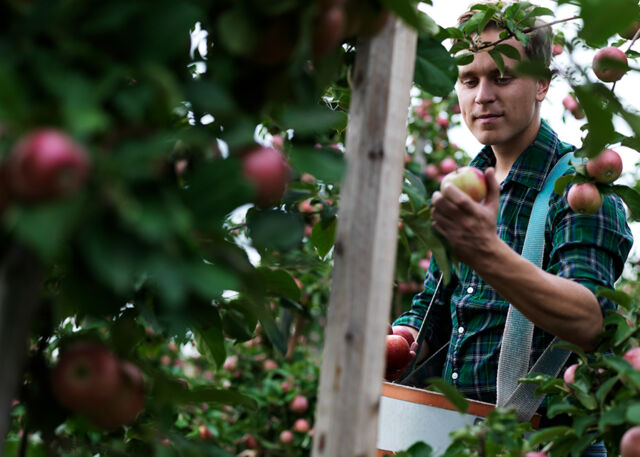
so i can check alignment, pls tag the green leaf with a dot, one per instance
(408, 12)
(561, 184)
(604, 19)
(549, 434)
(464, 59)
(508, 51)
(454, 33)
(623, 330)
(612, 416)
(452, 394)
(471, 26)
(237, 32)
(499, 61)
(621, 298)
(604, 390)
(206, 326)
(600, 119)
(435, 70)
(310, 119)
(631, 198)
(275, 229)
(280, 282)
(326, 164)
(262, 311)
(420, 449)
(633, 413)
(415, 189)
(323, 236)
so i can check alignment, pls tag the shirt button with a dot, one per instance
(460, 329)
(454, 375)
(469, 290)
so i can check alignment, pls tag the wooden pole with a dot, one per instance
(365, 248)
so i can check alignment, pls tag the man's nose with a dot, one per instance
(485, 92)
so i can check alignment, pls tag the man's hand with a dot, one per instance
(469, 227)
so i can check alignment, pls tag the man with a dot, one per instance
(581, 252)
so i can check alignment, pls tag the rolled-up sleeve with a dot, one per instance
(589, 249)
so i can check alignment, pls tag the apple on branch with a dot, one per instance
(267, 169)
(610, 64)
(606, 167)
(470, 180)
(584, 198)
(630, 442)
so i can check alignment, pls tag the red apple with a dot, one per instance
(204, 433)
(535, 454)
(87, 377)
(286, 436)
(448, 165)
(610, 64)
(249, 441)
(398, 353)
(572, 105)
(299, 404)
(470, 180)
(442, 122)
(328, 29)
(301, 425)
(584, 198)
(557, 49)
(570, 375)
(230, 363)
(404, 332)
(269, 365)
(630, 442)
(606, 167)
(46, 164)
(268, 171)
(633, 357)
(128, 403)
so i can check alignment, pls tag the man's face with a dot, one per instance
(499, 110)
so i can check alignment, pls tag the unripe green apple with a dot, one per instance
(584, 198)
(606, 167)
(610, 64)
(470, 180)
(630, 443)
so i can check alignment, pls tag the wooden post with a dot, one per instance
(365, 248)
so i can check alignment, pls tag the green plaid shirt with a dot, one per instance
(470, 315)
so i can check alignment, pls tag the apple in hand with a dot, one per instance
(610, 64)
(470, 180)
(584, 198)
(46, 164)
(404, 332)
(398, 352)
(630, 442)
(606, 167)
(267, 170)
(86, 378)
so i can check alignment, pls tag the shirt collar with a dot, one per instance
(533, 165)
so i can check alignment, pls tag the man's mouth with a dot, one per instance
(487, 117)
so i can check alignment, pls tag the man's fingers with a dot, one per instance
(493, 188)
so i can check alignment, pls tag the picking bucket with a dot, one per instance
(409, 414)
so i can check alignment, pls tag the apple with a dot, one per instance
(631, 31)
(424, 263)
(328, 29)
(87, 377)
(301, 425)
(535, 454)
(398, 353)
(630, 442)
(606, 167)
(442, 122)
(249, 441)
(633, 357)
(46, 164)
(572, 105)
(570, 375)
(204, 433)
(286, 436)
(230, 363)
(584, 198)
(610, 64)
(404, 332)
(557, 49)
(128, 403)
(267, 170)
(470, 180)
(270, 365)
(448, 165)
(299, 404)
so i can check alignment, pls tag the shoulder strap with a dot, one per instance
(515, 352)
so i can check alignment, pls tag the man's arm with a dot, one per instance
(558, 305)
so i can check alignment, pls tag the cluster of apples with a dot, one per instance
(630, 442)
(605, 168)
(43, 165)
(437, 172)
(91, 380)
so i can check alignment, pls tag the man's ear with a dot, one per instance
(542, 87)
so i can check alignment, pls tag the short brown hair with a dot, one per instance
(539, 46)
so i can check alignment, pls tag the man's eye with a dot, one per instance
(469, 82)
(503, 80)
